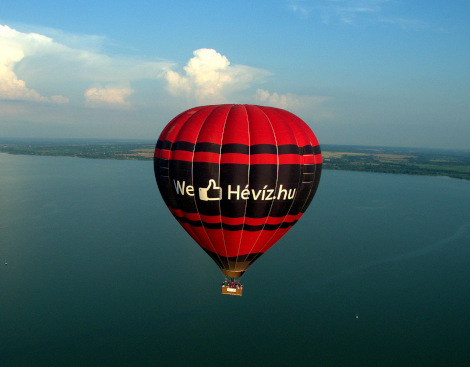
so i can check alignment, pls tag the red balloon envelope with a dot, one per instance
(237, 178)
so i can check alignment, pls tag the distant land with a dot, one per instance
(411, 161)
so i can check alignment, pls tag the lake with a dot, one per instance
(376, 273)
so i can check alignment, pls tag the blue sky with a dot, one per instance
(359, 72)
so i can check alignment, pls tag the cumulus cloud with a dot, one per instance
(289, 101)
(209, 77)
(55, 71)
(15, 47)
(109, 97)
(34, 67)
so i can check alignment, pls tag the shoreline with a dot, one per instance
(411, 161)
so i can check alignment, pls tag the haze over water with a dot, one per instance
(99, 273)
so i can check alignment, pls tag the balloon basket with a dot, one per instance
(232, 288)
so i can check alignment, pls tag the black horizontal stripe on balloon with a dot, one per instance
(239, 148)
(237, 227)
(182, 171)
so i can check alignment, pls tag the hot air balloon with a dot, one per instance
(237, 178)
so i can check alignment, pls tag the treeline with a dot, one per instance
(397, 168)
(412, 161)
(92, 151)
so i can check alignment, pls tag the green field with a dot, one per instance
(452, 163)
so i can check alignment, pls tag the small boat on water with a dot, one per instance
(6, 262)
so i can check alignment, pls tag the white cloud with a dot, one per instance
(300, 6)
(15, 47)
(37, 68)
(352, 12)
(289, 101)
(209, 77)
(109, 97)
(405, 23)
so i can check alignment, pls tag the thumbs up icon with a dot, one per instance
(212, 192)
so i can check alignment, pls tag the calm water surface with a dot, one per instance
(376, 273)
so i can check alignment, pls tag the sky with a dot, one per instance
(359, 72)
